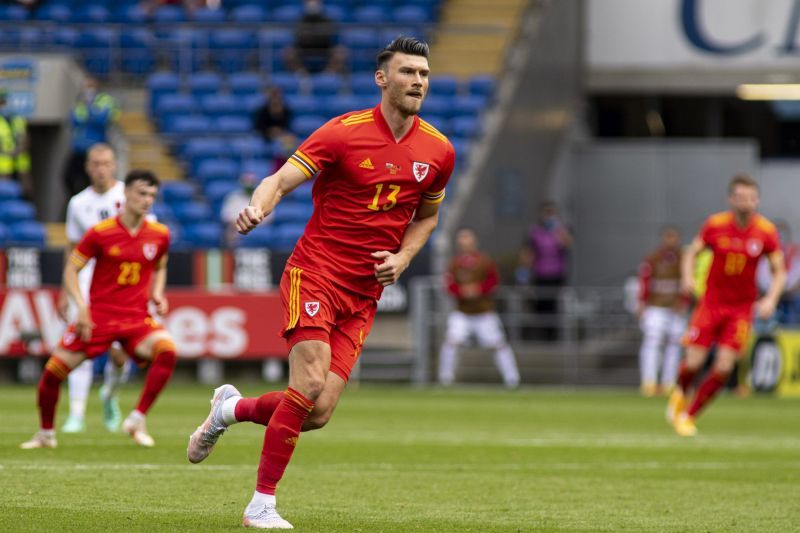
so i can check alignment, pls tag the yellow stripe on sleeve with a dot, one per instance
(308, 160)
(433, 199)
(302, 167)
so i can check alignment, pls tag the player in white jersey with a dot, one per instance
(100, 200)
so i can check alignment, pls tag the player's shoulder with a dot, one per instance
(85, 196)
(721, 219)
(105, 226)
(764, 224)
(354, 119)
(157, 227)
(428, 129)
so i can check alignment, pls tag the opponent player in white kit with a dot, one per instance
(471, 278)
(102, 199)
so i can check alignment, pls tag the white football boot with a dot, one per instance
(136, 428)
(202, 441)
(42, 439)
(264, 516)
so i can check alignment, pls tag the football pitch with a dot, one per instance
(403, 459)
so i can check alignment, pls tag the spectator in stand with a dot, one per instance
(272, 122)
(92, 118)
(315, 49)
(544, 262)
(15, 161)
(233, 204)
(471, 279)
(662, 312)
(149, 6)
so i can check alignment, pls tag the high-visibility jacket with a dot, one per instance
(13, 131)
(90, 121)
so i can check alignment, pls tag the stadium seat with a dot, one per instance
(204, 83)
(245, 83)
(303, 192)
(130, 14)
(466, 126)
(263, 236)
(173, 104)
(54, 13)
(162, 212)
(13, 13)
(437, 105)
(287, 235)
(305, 125)
(231, 49)
(410, 15)
(186, 124)
(232, 124)
(364, 84)
(167, 14)
(304, 105)
(3, 235)
(468, 105)
(91, 14)
(175, 192)
(259, 167)
(439, 122)
(288, 82)
(326, 84)
(137, 51)
(16, 210)
(10, 190)
(481, 86)
(337, 13)
(191, 212)
(446, 86)
(208, 16)
(203, 149)
(216, 191)
(250, 147)
(360, 38)
(287, 13)
(217, 169)
(216, 105)
(27, 233)
(249, 14)
(339, 105)
(203, 235)
(275, 38)
(373, 14)
(159, 84)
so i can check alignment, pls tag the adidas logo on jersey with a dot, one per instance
(367, 163)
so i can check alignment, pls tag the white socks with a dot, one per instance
(260, 500)
(114, 376)
(80, 381)
(229, 410)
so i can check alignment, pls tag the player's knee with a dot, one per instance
(313, 386)
(317, 420)
(164, 350)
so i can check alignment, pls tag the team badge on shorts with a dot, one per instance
(754, 247)
(421, 170)
(312, 308)
(150, 250)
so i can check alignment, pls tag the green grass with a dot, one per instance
(399, 459)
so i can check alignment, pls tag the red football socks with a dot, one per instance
(157, 377)
(685, 377)
(280, 439)
(707, 390)
(258, 410)
(55, 371)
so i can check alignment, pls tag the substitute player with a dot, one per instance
(737, 239)
(131, 269)
(380, 178)
(471, 278)
(662, 314)
(104, 198)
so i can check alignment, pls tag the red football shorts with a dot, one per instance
(129, 333)
(316, 309)
(722, 324)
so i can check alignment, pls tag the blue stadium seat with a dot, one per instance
(159, 84)
(446, 86)
(186, 124)
(326, 84)
(249, 14)
(276, 38)
(373, 14)
(439, 122)
(137, 51)
(216, 191)
(461, 147)
(169, 14)
(339, 105)
(54, 13)
(260, 167)
(293, 212)
(286, 235)
(252, 102)
(231, 49)
(468, 105)
(177, 192)
(191, 212)
(250, 147)
(66, 37)
(16, 210)
(28, 233)
(91, 14)
(410, 15)
(303, 192)
(129, 14)
(173, 104)
(466, 126)
(13, 13)
(360, 38)
(364, 84)
(245, 83)
(437, 105)
(163, 212)
(304, 105)
(209, 16)
(337, 13)
(216, 105)
(217, 169)
(263, 236)
(287, 13)
(482, 85)
(204, 83)
(10, 190)
(3, 235)
(305, 125)
(288, 83)
(203, 149)
(202, 235)
(233, 124)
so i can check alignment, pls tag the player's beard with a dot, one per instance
(406, 104)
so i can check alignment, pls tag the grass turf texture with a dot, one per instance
(399, 459)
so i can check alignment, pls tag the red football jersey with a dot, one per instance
(367, 189)
(731, 279)
(125, 263)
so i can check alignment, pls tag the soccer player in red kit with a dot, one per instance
(131, 269)
(380, 178)
(738, 238)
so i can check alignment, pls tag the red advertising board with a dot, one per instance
(203, 324)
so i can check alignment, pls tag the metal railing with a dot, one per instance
(590, 338)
